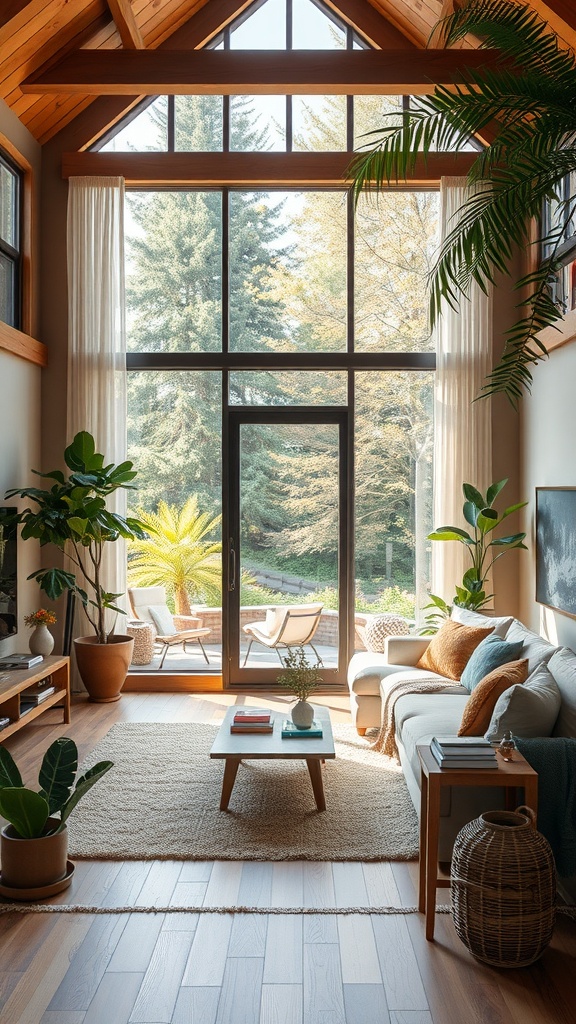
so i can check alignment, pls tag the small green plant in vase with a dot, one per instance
(301, 679)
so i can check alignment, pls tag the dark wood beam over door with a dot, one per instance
(125, 21)
(248, 169)
(256, 72)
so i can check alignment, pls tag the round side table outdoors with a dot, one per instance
(144, 635)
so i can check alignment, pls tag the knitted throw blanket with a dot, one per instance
(385, 741)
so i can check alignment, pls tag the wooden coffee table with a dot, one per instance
(236, 747)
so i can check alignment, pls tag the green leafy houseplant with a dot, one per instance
(526, 98)
(300, 677)
(483, 548)
(73, 516)
(29, 812)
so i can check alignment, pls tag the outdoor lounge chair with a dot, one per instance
(286, 626)
(148, 604)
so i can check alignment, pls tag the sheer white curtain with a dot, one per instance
(463, 427)
(97, 338)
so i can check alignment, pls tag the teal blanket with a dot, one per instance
(554, 758)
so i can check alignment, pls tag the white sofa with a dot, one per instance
(420, 716)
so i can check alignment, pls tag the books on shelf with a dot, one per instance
(20, 661)
(35, 696)
(463, 752)
(291, 731)
(4, 722)
(255, 715)
(252, 727)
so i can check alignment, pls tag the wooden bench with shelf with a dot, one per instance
(13, 683)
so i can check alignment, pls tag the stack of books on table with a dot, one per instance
(291, 731)
(463, 752)
(252, 720)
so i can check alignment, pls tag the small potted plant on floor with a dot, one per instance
(73, 516)
(301, 678)
(34, 845)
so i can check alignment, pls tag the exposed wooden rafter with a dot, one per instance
(247, 169)
(125, 21)
(254, 72)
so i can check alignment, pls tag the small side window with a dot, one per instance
(10, 242)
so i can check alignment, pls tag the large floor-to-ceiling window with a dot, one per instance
(280, 373)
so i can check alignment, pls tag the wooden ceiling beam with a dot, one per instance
(125, 21)
(255, 72)
(12, 8)
(250, 170)
(368, 22)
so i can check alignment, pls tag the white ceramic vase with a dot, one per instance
(41, 640)
(303, 714)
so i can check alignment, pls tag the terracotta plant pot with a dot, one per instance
(33, 863)
(103, 667)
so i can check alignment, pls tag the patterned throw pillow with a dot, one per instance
(381, 626)
(449, 650)
(482, 700)
(490, 654)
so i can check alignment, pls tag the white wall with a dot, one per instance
(20, 433)
(548, 459)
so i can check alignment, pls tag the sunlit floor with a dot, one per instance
(193, 660)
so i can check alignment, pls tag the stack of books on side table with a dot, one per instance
(252, 720)
(291, 731)
(463, 752)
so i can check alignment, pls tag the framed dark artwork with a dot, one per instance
(8, 573)
(556, 548)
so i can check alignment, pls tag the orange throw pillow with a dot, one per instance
(480, 704)
(449, 650)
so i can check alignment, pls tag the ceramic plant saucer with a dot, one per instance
(41, 892)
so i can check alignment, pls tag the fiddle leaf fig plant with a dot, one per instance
(483, 548)
(28, 811)
(72, 515)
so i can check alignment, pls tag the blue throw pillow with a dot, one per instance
(492, 652)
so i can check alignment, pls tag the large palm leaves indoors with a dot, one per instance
(524, 99)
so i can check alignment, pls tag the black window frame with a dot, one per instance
(14, 254)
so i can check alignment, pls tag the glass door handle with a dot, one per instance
(231, 566)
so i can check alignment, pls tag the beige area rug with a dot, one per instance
(161, 801)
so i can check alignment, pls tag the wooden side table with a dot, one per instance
(508, 775)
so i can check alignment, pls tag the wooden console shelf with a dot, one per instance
(14, 681)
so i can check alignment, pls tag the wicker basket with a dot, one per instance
(503, 888)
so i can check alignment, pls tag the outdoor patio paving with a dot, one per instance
(193, 661)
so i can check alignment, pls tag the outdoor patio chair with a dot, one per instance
(286, 626)
(148, 604)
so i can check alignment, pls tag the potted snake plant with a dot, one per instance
(34, 844)
(72, 515)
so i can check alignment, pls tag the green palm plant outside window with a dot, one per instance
(178, 554)
(527, 98)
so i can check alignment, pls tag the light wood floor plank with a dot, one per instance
(127, 884)
(349, 884)
(114, 999)
(248, 936)
(256, 884)
(366, 1004)
(188, 894)
(161, 984)
(400, 974)
(224, 884)
(196, 871)
(411, 1017)
(196, 1006)
(136, 944)
(281, 1004)
(58, 1017)
(287, 884)
(89, 963)
(358, 955)
(381, 885)
(159, 884)
(34, 991)
(320, 928)
(283, 957)
(318, 885)
(180, 922)
(323, 995)
(241, 991)
(207, 959)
